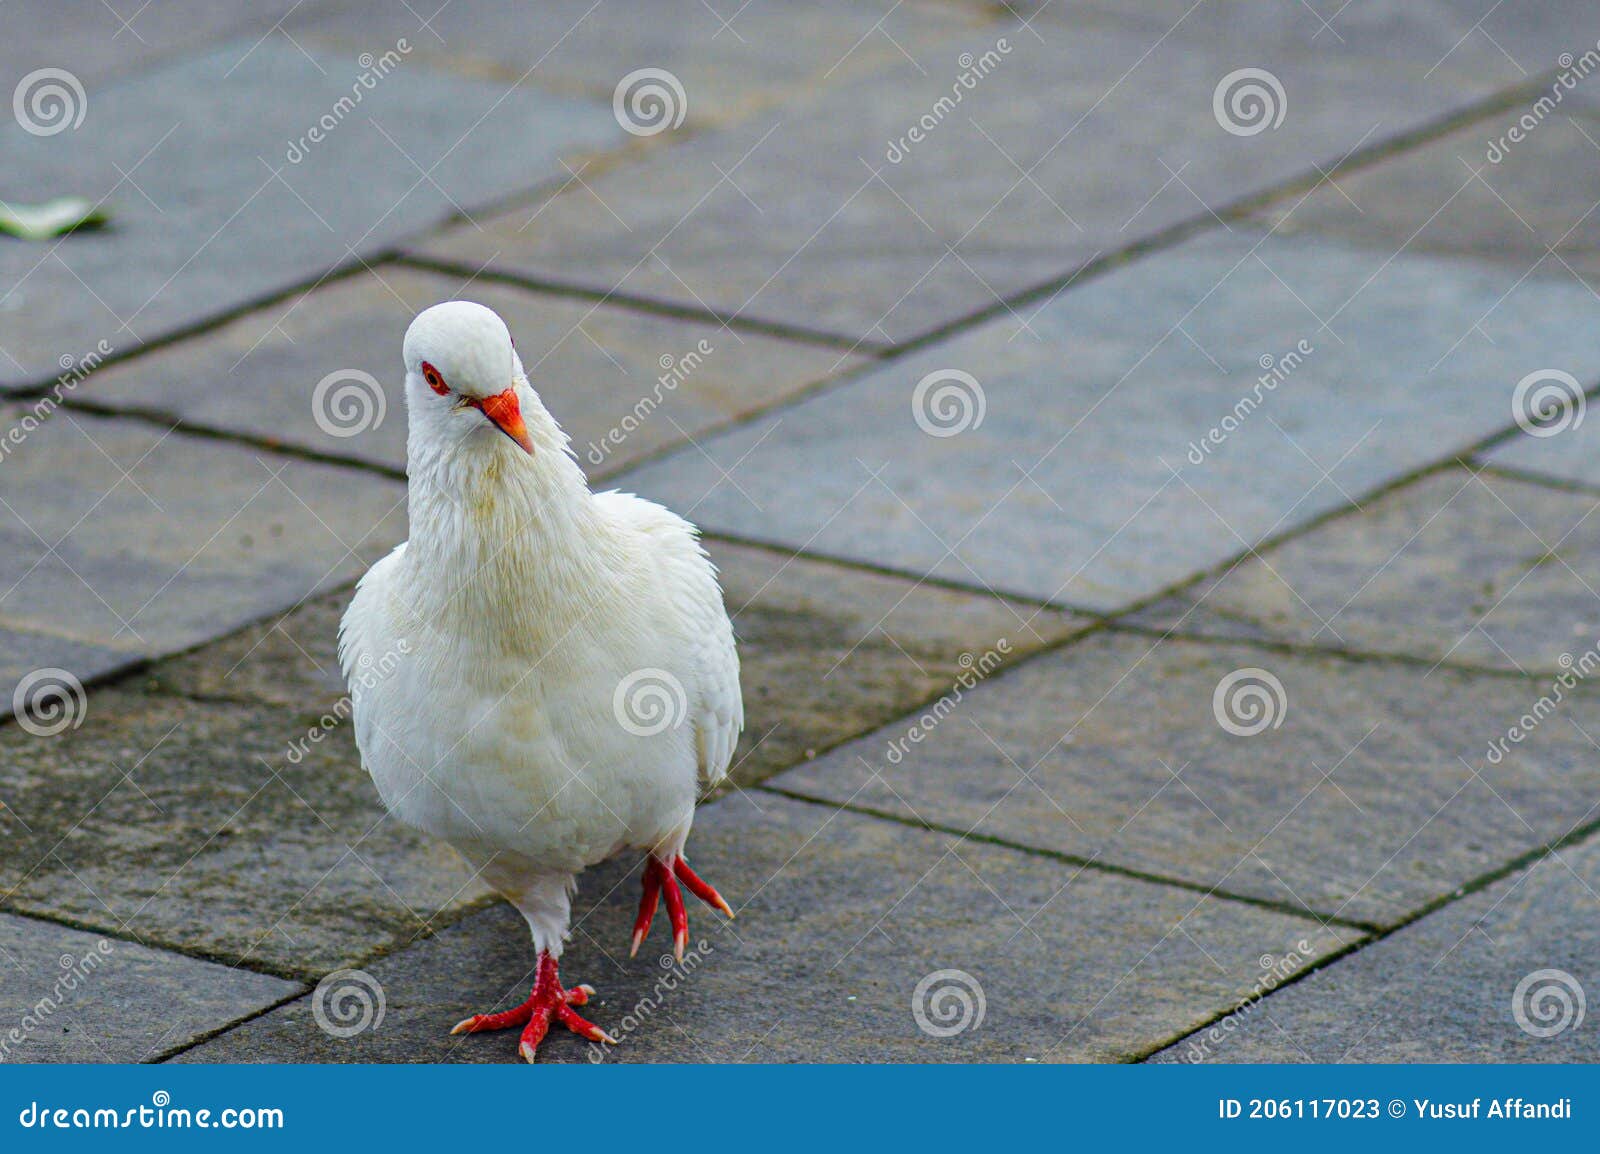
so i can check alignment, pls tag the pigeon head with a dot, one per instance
(462, 372)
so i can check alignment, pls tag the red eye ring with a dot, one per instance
(435, 381)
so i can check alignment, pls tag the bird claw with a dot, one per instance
(661, 881)
(581, 1025)
(548, 1002)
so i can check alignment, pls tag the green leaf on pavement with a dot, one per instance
(50, 219)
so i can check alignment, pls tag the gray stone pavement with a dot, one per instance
(825, 215)
(1086, 478)
(224, 200)
(1144, 447)
(1465, 566)
(1418, 996)
(857, 914)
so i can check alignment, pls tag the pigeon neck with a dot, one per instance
(501, 541)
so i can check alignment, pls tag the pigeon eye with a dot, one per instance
(435, 381)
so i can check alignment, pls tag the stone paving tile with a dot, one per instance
(840, 918)
(286, 858)
(727, 58)
(1075, 461)
(825, 214)
(259, 375)
(70, 996)
(1468, 195)
(1445, 989)
(1471, 568)
(108, 546)
(212, 213)
(1370, 794)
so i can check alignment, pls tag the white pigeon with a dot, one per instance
(542, 676)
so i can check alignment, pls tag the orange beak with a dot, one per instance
(506, 415)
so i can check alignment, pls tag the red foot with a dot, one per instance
(547, 1001)
(659, 881)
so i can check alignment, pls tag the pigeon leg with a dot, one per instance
(548, 1002)
(661, 881)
